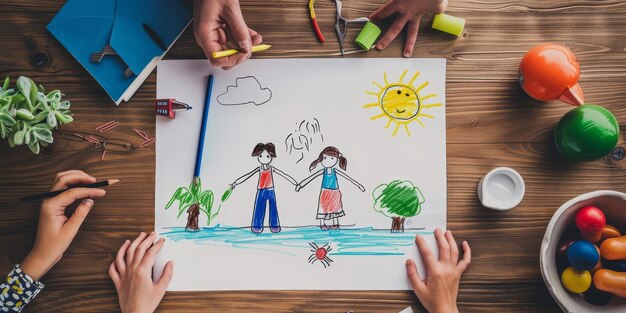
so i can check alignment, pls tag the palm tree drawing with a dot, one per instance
(193, 200)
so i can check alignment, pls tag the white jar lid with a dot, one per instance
(501, 189)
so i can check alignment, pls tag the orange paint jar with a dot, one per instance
(549, 72)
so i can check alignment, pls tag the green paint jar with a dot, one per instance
(368, 35)
(586, 133)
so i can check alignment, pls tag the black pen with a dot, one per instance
(51, 194)
(155, 37)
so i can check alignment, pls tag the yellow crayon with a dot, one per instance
(226, 53)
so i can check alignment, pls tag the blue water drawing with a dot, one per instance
(346, 241)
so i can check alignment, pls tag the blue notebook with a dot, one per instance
(139, 32)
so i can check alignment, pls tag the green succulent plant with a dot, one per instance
(28, 115)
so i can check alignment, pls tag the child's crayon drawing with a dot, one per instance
(320, 253)
(311, 191)
(266, 194)
(193, 200)
(330, 204)
(246, 90)
(300, 141)
(401, 103)
(348, 241)
(398, 200)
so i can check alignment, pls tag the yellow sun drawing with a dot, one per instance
(401, 103)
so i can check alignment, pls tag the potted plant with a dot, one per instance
(193, 200)
(28, 115)
(398, 200)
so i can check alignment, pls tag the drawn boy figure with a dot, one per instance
(265, 195)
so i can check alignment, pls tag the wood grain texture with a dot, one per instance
(490, 122)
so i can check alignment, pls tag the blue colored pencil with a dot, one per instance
(205, 118)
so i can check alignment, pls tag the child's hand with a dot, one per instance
(218, 22)
(131, 273)
(439, 291)
(56, 231)
(406, 12)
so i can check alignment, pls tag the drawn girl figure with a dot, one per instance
(265, 194)
(329, 206)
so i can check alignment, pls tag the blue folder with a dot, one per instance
(87, 26)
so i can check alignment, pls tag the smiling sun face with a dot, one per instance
(401, 103)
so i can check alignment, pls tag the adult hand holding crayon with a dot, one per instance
(409, 13)
(218, 23)
(227, 53)
(56, 231)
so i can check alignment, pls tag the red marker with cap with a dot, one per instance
(168, 107)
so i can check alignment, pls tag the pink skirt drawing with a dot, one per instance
(330, 205)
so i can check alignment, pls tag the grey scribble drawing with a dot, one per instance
(299, 142)
(246, 90)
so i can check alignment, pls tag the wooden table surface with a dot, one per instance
(491, 122)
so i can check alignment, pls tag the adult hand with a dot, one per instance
(131, 273)
(217, 23)
(56, 231)
(439, 291)
(407, 12)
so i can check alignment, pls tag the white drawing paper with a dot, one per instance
(351, 225)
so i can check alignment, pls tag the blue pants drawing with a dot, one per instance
(265, 197)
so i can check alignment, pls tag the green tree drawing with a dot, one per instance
(398, 200)
(193, 200)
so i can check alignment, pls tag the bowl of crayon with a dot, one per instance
(583, 253)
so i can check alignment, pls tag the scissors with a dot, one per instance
(341, 24)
